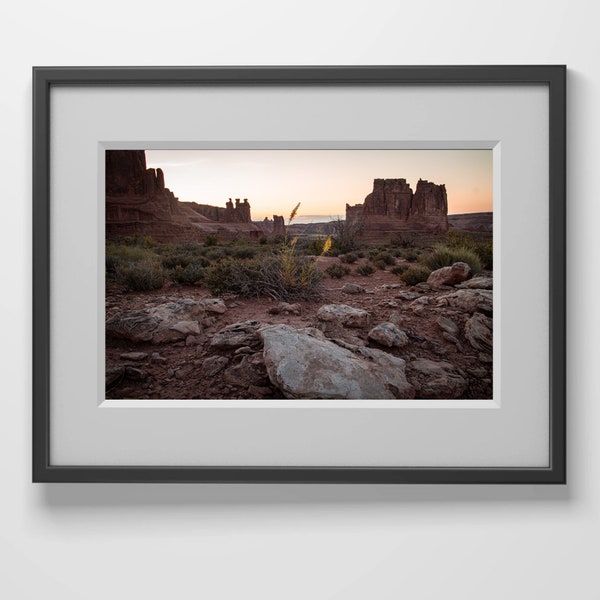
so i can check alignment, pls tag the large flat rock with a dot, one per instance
(303, 364)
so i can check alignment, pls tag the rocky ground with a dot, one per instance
(367, 337)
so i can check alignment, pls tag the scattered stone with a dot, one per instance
(450, 338)
(186, 327)
(286, 307)
(170, 372)
(135, 374)
(236, 335)
(479, 332)
(353, 288)
(213, 364)
(250, 370)
(134, 356)
(257, 391)
(193, 340)
(469, 301)
(452, 275)
(320, 369)
(157, 358)
(433, 379)
(448, 325)
(114, 376)
(418, 305)
(485, 358)
(213, 305)
(209, 321)
(243, 350)
(395, 318)
(344, 314)
(408, 295)
(479, 283)
(387, 334)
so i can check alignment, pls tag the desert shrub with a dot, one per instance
(262, 240)
(380, 264)
(411, 255)
(346, 235)
(124, 253)
(243, 252)
(360, 253)
(483, 249)
(141, 276)
(337, 271)
(217, 253)
(265, 276)
(444, 256)
(366, 269)
(191, 274)
(172, 261)
(387, 258)
(285, 275)
(349, 258)
(415, 274)
(211, 240)
(399, 269)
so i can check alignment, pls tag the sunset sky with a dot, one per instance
(323, 181)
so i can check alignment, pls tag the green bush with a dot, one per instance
(411, 255)
(483, 249)
(415, 274)
(141, 276)
(399, 269)
(191, 274)
(380, 263)
(243, 252)
(445, 256)
(349, 258)
(365, 269)
(277, 276)
(211, 240)
(337, 271)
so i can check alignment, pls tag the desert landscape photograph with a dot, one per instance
(299, 274)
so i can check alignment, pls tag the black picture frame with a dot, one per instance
(551, 76)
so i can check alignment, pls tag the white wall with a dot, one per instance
(101, 541)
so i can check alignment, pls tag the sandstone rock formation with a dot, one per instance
(138, 202)
(392, 208)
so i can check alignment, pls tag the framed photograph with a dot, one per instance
(299, 274)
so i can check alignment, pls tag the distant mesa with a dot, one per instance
(392, 207)
(137, 202)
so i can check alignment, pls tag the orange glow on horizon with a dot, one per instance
(323, 181)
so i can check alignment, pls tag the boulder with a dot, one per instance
(134, 356)
(303, 365)
(479, 332)
(353, 288)
(213, 305)
(213, 364)
(248, 370)
(388, 334)
(448, 325)
(164, 322)
(436, 379)
(240, 334)
(469, 301)
(452, 275)
(344, 314)
(477, 283)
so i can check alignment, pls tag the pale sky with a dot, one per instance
(323, 181)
